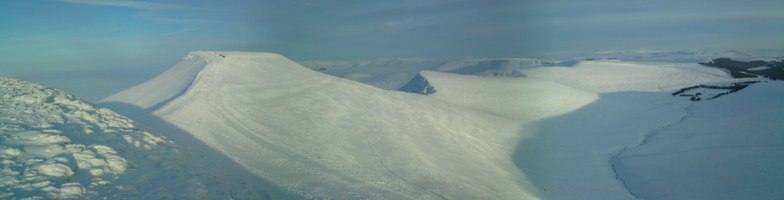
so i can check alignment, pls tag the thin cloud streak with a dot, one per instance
(125, 4)
(658, 17)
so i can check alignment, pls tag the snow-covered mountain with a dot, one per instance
(389, 74)
(620, 76)
(558, 133)
(165, 86)
(322, 136)
(506, 67)
(393, 74)
(419, 85)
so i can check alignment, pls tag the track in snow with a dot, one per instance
(383, 164)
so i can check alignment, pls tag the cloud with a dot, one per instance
(124, 4)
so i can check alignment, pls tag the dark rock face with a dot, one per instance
(708, 92)
(773, 70)
(418, 85)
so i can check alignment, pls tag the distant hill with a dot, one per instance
(749, 69)
(392, 74)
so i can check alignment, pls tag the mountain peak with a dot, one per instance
(175, 81)
(419, 85)
(215, 54)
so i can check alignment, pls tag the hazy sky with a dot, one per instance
(101, 31)
(39, 36)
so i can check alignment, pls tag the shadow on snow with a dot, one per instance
(227, 180)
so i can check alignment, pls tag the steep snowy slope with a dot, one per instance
(164, 87)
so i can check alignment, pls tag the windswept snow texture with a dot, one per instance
(56, 146)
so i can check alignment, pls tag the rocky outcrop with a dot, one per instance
(56, 146)
(419, 85)
(708, 92)
(773, 70)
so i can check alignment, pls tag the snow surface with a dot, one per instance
(164, 87)
(758, 68)
(617, 76)
(58, 147)
(569, 155)
(523, 100)
(727, 148)
(323, 136)
(561, 133)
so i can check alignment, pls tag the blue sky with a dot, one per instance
(145, 37)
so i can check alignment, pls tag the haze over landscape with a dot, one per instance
(433, 99)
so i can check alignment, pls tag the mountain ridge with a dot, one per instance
(311, 133)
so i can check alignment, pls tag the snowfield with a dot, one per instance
(727, 148)
(617, 76)
(579, 132)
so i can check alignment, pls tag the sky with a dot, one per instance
(71, 39)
